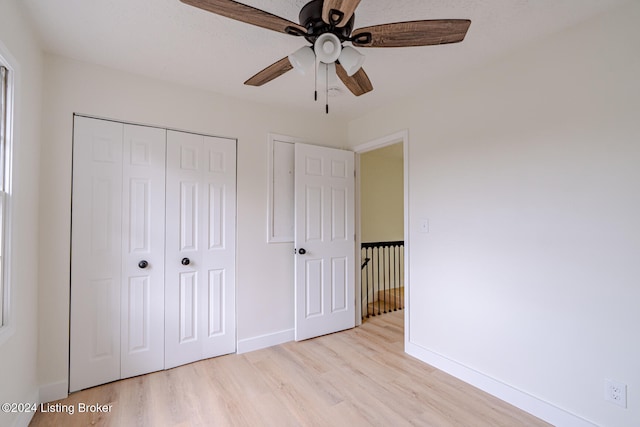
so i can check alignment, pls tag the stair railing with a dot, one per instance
(382, 277)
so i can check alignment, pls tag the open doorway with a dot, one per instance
(381, 226)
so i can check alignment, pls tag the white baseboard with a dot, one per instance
(24, 418)
(54, 391)
(536, 407)
(263, 341)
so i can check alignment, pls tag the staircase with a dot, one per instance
(386, 301)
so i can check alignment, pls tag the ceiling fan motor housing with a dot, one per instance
(311, 18)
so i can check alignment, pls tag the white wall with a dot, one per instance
(528, 170)
(265, 271)
(18, 345)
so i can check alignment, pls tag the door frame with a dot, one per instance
(397, 137)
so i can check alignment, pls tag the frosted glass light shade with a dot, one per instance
(351, 60)
(303, 59)
(327, 48)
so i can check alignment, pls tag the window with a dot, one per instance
(5, 123)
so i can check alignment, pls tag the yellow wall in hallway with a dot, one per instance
(382, 194)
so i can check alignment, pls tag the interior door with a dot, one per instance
(200, 248)
(324, 241)
(96, 253)
(143, 223)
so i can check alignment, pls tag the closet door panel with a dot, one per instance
(219, 211)
(183, 306)
(143, 199)
(96, 253)
(201, 202)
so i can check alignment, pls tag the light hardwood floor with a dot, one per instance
(359, 377)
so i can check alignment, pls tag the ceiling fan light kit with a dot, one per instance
(351, 60)
(303, 59)
(327, 24)
(327, 48)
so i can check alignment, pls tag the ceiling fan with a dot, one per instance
(327, 24)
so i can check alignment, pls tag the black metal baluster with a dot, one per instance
(363, 278)
(370, 283)
(402, 273)
(399, 302)
(400, 290)
(382, 280)
(377, 284)
(366, 288)
(390, 279)
(395, 283)
(385, 273)
(392, 275)
(366, 273)
(367, 270)
(374, 268)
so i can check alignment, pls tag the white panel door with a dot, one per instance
(200, 248)
(96, 253)
(219, 249)
(143, 224)
(324, 241)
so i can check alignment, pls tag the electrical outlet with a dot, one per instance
(615, 392)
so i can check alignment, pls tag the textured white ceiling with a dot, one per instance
(169, 40)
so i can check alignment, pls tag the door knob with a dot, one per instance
(302, 251)
(185, 261)
(143, 264)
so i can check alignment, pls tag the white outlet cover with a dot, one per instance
(615, 392)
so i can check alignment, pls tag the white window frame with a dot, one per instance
(6, 313)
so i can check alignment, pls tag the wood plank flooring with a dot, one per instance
(359, 377)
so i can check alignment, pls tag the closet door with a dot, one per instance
(200, 248)
(153, 250)
(143, 223)
(117, 300)
(96, 242)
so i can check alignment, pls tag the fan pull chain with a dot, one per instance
(315, 75)
(327, 87)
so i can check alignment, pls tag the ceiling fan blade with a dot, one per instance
(412, 33)
(338, 12)
(250, 15)
(358, 84)
(271, 72)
